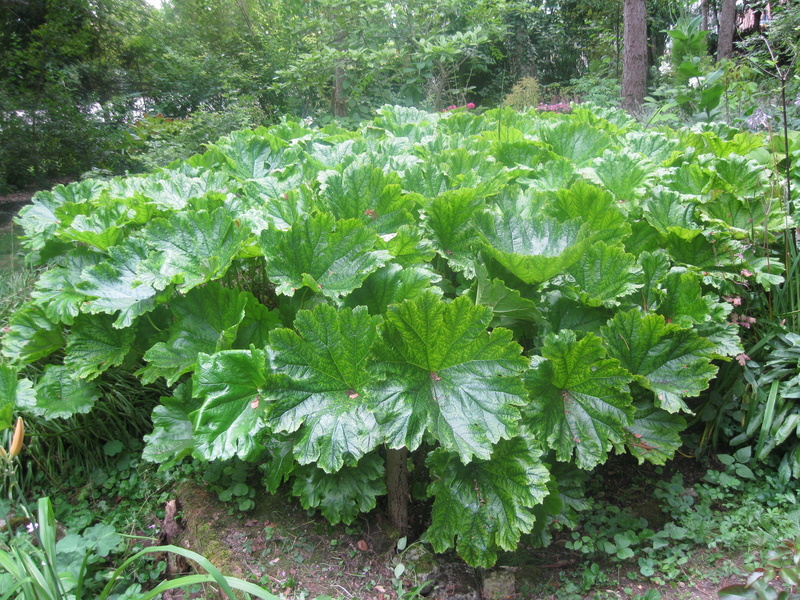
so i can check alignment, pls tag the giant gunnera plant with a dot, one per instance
(492, 302)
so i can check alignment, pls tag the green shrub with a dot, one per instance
(492, 301)
(526, 93)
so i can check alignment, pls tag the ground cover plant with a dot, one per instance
(492, 301)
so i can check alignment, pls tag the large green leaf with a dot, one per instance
(330, 257)
(580, 403)
(532, 246)
(655, 434)
(622, 173)
(407, 246)
(485, 504)
(60, 395)
(171, 439)
(671, 361)
(595, 207)
(14, 391)
(684, 302)
(506, 303)
(603, 274)
(250, 155)
(670, 211)
(343, 495)
(391, 285)
(578, 142)
(449, 218)
(30, 335)
(94, 345)
(206, 320)
(230, 385)
(326, 396)
(190, 248)
(363, 191)
(744, 218)
(115, 285)
(100, 227)
(57, 289)
(447, 375)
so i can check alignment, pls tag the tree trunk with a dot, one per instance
(338, 96)
(397, 491)
(727, 27)
(704, 14)
(634, 58)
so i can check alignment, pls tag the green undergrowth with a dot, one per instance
(666, 530)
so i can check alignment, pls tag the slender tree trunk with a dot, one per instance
(704, 15)
(634, 54)
(727, 27)
(397, 491)
(338, 96)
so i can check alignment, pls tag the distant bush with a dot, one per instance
(526, 93)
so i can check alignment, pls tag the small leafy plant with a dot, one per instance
(782, 563)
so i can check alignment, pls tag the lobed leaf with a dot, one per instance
(485, 504)
(671, 361)
(579, 399)
(447, 375)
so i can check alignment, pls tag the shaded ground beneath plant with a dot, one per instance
(299, 555)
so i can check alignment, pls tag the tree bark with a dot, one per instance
(704, 14)
(727, 27)
(338, 95)
(634, 57)
(397, 490)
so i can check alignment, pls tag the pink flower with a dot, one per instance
(451, 107)
(469, 106)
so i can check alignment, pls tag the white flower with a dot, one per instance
(695, 82)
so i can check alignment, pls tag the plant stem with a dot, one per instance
(397, 487)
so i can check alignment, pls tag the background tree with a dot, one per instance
(634, 63)
(727, 28)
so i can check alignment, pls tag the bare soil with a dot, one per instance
(301, 556)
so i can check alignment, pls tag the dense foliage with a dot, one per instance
(509, 297)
